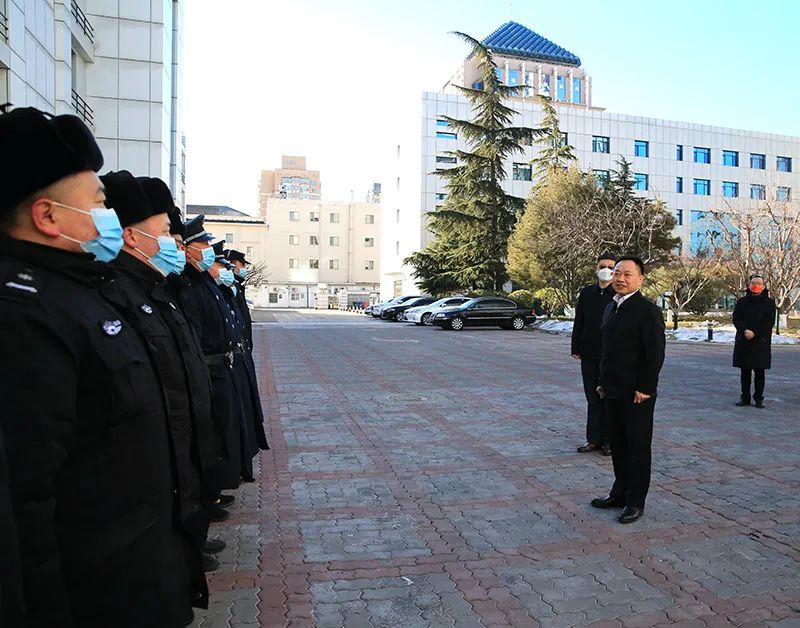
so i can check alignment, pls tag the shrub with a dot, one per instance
(523, 297)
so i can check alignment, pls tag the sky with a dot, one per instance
(337, 81)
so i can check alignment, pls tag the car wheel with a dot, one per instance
(518, 323)
(425, 318)
(456, 323)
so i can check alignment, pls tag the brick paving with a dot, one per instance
(428, 478)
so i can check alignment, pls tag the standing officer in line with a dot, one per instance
(240, 270)
(592, 302)
(82, 416)
(633, 345)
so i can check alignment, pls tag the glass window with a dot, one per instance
(313, 240)
(294, 216)
(521, 172)
(758, 192)
(499, 74)
(699, 239)
(250, 251)
(333, 240)
(545, 88)
(564, 139)
(679, 152)
(758, 161)
(442, 123)
(639, 181)
(679, 185)
(294, 263)
(442, 159)
(333, 264)
(513, 77)
(229, 238)
(369, 241)
(783, 193)
(334, 217)
(561, 94)
(602, 176)
(443, 135)
(730, 189)
(600, 144)
(314, 216)
(641, 148)
(702, 187)
(702, 155)
(313, 263)
(528, 91)
(369, 219)
(440, 196)
(730, 158)
(577, 92)
(369, 265)
(784, 164)
(679, 217)
(294, 239)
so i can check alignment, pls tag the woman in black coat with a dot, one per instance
(753, 317)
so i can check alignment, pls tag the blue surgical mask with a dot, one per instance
(180, 264)
(208, 259)
(108, 243)
(166, 258)
(242, 272)
(234, 289)
(226, 276)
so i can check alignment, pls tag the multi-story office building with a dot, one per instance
(692, 167)
(291, 180)
(116, 64)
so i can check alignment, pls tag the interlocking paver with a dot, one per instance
(354, 492)
(455, 487)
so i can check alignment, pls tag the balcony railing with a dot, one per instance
(82, 108)
(82, 21)
(3, 22)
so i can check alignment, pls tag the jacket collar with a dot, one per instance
(142, 272)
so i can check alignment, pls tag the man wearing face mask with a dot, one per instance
(206, 309)
(83, 418)
(148, 256)
(592, 302)
(753, 317)
(240, 271)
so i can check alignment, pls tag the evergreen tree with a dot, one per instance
(556, 154)
(474, 224)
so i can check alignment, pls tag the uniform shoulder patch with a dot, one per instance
(20, 280)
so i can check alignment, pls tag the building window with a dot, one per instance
(758, 161)
(250, 251)
(679, 152)
(513, 78)
(439, 123)
(600, 144)
(397, 216)
(229, 238)
(294, 263)
(333, 264)
(440, 196)
(700, 237)
(397, 248)
(369, 242)
(369, 219)
(679, 185)
(565, 139)
(294, 296)
(334, 217)
(730, 158)
(561, 87)
(730, 189)
(294, 216)
(702, 187)
(639, 181)
(702, 155)
(783, 193)
(369, 265)
(521, 172)
(679, 217)
(294, 239)
(641, 148)
(545, 87)
(313, 263)
(784, 164)
(314, 216)
(577, 92)
(444, 159)
(602, 176)
(333, 241)
(313, 240)
(443, 135)
(758, 192)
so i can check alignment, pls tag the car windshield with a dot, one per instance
(470, 302)
(413, 301)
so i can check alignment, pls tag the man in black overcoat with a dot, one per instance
(753, 317)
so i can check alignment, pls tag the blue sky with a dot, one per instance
(333, 80)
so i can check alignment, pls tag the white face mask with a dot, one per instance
(605, 274)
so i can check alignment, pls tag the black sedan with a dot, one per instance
(391, 312)
(486, 312)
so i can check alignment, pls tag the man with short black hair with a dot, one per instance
(633, 345)
(592, 302)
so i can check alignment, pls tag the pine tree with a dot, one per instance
(556, 153)
(477, 218)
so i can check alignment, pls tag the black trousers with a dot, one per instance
(631, 437)
(760, 380)
(596, 423)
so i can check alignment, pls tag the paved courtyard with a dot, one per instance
(427, 478)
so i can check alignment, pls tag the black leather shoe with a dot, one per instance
(217, 514)
(608, 502)
(209, 563)
(759, 403)
(743, 402)
(224, 501)
(630, 514)
(606, 450)
(214, 546)
(585, 449)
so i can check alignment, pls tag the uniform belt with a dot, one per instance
(223, 358)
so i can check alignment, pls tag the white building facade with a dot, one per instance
(692, 167)
(114, 63)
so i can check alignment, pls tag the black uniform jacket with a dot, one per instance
(756, 313)
(589, 310)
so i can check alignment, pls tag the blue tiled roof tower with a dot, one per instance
(516, 40)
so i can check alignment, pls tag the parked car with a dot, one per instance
(421, 314)
(368, 310)
(486, 312)
(378, 307)
(395, 311)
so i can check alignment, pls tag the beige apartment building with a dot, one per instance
(291, 180)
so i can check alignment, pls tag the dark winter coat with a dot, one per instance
(244, 311)
(11, 603)
(86, 439)
(592, 302)
(756, 313)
